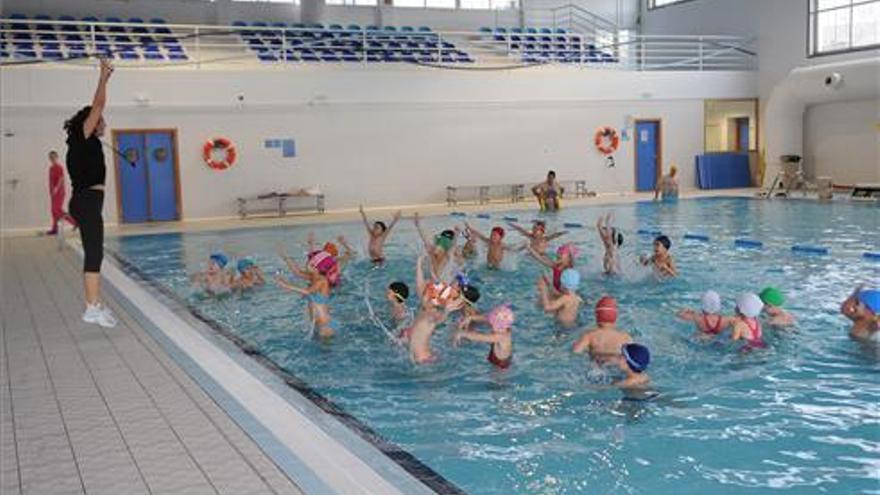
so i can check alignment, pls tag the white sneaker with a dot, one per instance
(99, 314)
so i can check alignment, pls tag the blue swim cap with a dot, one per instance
(244, 264)
(871, 299)
(570, 279)
(462, 279)
(220, 259)
(637, 356)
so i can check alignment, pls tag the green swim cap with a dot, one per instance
(443, 241)
(772, 296)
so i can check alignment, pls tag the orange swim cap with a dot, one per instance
(606, 310)
(331, 249)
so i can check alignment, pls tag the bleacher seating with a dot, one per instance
(37, 38)
(337, 43)
(541, 45)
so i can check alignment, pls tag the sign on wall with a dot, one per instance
(287, 146)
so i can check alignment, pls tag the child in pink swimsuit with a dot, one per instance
(501, 318)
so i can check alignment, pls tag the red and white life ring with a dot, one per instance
(211, 150)
(606, 140)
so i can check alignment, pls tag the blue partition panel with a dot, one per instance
(723, 170)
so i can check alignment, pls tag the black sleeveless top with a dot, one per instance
(85, 161)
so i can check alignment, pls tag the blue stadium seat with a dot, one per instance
(76, 50)
(260, 24)
(350, 56)
(151, 52)
(282, 25)
(178, 56)
(407, 29)
(114, 19)
(267, 56)
(424, 29)
(135, 20)
(353, 27)
(128, 55)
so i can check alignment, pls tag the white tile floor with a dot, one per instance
(89, 410)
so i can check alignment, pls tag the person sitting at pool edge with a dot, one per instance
(565, 306)
(634, 360)
(862, 307)
(662, 261)
(548, 193)
(500, 319)
(495, 253)
(709, 321)
(397, 294)
(538, 237)
(604, 341)
(378, 234)
(773, 300)
(667, 186)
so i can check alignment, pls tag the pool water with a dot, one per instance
(802, 416)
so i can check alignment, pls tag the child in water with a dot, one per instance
(612, 239)
(773, 300)
(603, 342)
(317, 293)
(538, 238)
(746, 325)
(565, 256)
(495, 243)
(661, 260)
(862, 307)
(633, 361)
(565, 306)
(397, 294)
(440, 248)
(709, 321)
(469, 250)
(438, 301)
(250, 275)
(500, 319)
(378, 234)
(215, 279)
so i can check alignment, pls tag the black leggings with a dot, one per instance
(85, 207)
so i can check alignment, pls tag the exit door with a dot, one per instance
(648, 164)
(148, 186)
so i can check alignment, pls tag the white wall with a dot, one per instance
(382, 136)
(841, 134)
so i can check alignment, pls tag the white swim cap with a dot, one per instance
(750, 305)
(711, 302)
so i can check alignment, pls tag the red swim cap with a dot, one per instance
(499, 230)
(606, 310)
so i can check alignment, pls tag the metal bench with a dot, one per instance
(513, 193)
(278, 203)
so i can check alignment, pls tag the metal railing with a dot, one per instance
(27, 41)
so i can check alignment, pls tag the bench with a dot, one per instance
(513, 193)
(279, 203)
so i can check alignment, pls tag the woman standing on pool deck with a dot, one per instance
(667, 186)
(87, 170)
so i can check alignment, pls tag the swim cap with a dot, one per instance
(400, 290)
(443, 242)
(321, 261)
(381, 225)
(772, 296)
(749, 305)
(606, 310)
(440, 293)
(637, 356)
(462, 279)
(220, 259)
(499, 230)
(471, 294)
(664, 241)
(871, 299)
(331, 249)
(569, 248)
(501, 317)
(449, 234)
(711, 302)
(244, 264)
(570, 279)
(540, 224)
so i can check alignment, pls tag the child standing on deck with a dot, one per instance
(709, 321)
(378, 234)
(566, 305)
(603, 342)
(500, 319)
(661, 260)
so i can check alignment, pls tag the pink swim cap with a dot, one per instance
(569, 248)
(501, 317)
(321, 261)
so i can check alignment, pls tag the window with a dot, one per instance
(489, 4)
(653, 4)
(440, 4)
(837, 26)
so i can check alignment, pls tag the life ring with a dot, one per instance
(219, 144)
(606, 140)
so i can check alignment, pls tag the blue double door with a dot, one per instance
(146, 168)
(648, 166)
